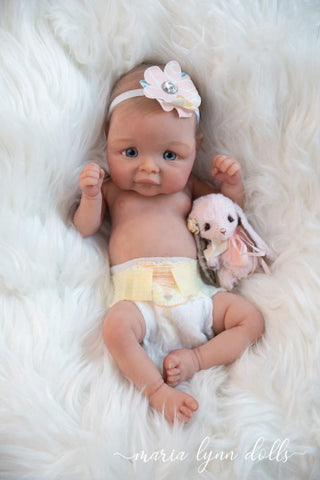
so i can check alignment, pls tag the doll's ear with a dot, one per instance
(106, 128)
(199, 139)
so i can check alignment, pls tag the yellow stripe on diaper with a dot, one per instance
(163, 283)
(187, 278)
(135, 285)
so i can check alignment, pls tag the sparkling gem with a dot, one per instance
(169, 87)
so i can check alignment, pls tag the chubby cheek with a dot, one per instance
(120, 177)
(182, 182)
(176, 181)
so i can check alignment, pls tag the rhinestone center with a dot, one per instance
(169, 87)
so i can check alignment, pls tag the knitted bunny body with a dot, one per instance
(233, 249)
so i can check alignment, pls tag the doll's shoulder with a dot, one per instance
(111, 193)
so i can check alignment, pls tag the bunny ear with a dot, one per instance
(256, 239)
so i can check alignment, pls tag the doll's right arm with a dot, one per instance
(89, 215)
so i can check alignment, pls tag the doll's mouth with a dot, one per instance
(146, 181)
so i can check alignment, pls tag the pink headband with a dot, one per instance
(171, 88)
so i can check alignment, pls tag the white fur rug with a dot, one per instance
(65, 411)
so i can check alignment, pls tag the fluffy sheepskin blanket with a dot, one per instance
(65, 410)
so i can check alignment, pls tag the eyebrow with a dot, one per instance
(179, 144)
(173, 145)
(122, 140)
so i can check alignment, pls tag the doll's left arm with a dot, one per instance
(226, 170)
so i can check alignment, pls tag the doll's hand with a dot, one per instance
(90, 180)
(227, 170)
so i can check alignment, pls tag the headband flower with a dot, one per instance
(172, 88)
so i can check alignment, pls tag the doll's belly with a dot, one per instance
(165, 238)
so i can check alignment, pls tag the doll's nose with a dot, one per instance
(223, 230)
(149, 165)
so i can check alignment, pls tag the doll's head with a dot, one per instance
(152, 132)
(171, 88)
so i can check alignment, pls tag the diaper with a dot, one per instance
(174, 301)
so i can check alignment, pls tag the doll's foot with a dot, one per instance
(180, 365)
(173, 403)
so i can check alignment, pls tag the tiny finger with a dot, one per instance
(221, 162)
(90, 181)
(233, 168)
(89, 171)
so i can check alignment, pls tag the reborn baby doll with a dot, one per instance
(164, 324)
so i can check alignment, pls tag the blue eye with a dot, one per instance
(130, 152)
(168, 155)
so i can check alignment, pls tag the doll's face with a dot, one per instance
(150, 151)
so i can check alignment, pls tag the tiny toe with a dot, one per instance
(192, 404)
(186, 411)
(173, 371)
(182, 418)
(171, 362)
(173, 381)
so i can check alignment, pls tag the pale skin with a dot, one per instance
(150, 158)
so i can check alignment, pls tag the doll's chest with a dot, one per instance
(131, 204)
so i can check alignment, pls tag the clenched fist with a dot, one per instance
(90, 179)
(227, 170)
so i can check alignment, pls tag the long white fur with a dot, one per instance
(65, 411)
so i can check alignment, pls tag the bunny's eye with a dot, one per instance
(207, 226)
(231, 219)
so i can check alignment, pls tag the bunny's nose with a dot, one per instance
(223, 230)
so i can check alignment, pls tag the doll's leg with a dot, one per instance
(236, 324)
(124, 330)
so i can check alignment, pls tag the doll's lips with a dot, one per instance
(146, 181)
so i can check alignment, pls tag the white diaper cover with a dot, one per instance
(175, 303)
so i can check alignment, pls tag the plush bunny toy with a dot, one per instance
(233, 249)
